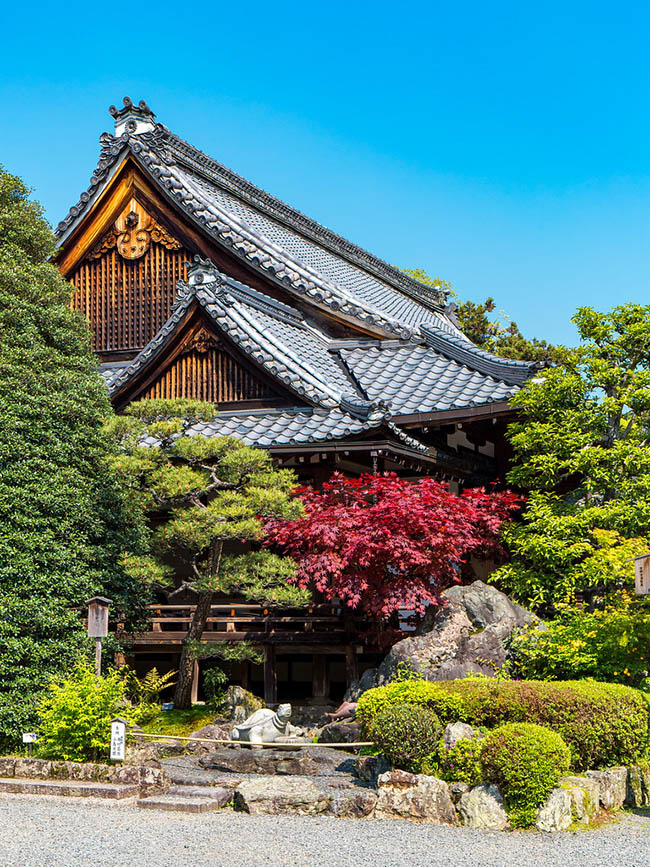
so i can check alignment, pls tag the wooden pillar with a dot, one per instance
(351, 664)
(270, 675)
(195, 682)
(320, 677)
(245, 673)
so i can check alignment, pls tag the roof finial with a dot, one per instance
(132, 119)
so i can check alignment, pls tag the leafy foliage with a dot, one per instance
(604, 724)
(494, 335)
(406, 734)
(75, 717)
(212, 492)
(383, 543)
(146, 690)
(462, 762)
(214, 683)
(526, 761)
(608, 645)
(424, 693)
(65, 521)
(581, 449)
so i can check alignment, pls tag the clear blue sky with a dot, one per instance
(504, 146)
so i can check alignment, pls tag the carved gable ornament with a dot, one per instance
(132, 234)
(201, 341)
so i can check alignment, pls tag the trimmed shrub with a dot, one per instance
(75, 718)
(448, 707)
(602, 723)
(526, 761)
(462, 762)
(405, 734)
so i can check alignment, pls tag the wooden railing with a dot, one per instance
(319, 624)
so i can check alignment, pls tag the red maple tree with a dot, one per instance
(383, 543)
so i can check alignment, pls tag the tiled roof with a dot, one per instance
(417, 379)
(266, 428)
(418, 361)
(395, 377)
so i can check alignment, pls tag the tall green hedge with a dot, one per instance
(603, 724)
(64, 518)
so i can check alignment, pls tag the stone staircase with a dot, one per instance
(189, 799)
(68, 788)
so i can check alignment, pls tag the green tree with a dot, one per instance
(500, 337)
(63, 520)
(581, 450)
(208, 496)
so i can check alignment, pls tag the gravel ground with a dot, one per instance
(50, 832)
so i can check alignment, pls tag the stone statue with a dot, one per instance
(264, 726)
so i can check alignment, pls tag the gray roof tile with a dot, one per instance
(417, 379)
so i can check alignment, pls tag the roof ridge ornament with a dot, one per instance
(203, 272)
(132, 119)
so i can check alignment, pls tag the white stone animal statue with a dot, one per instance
(263, 727)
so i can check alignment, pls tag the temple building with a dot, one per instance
(198, 284)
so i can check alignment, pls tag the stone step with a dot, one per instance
(213, 793)
(67, 788)
(184, 804)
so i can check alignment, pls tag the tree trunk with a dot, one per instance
(183, 691)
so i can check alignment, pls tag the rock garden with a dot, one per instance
(476, 751)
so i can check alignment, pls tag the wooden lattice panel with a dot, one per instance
(127, 301)
(212, 375)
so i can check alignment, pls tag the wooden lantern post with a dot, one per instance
(98, 626)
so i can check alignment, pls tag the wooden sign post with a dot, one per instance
(98, 626)
(118, 739)
(642, 574)
(30, 739)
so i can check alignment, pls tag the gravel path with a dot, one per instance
(50, 832)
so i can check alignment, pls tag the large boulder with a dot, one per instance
(340, 733)
(246, 761)
(240, 704)
(369, 768)
(455, 732)
(414, 796)
(585, 797)
(555, 813)
(483, 807)
(277, 795)
(353, 804)
(638, 786)
(612, 783)
(465, 635)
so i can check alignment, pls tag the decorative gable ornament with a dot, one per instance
(201, 341)
(132, 234)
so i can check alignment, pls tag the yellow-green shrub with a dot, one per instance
(75, 715)
(526, 761)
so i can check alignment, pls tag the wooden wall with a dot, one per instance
(127, 301)
(210, 374)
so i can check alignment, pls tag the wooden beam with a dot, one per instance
(487, 410)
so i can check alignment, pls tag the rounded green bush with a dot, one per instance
(603, 724)
(462, 762)
(526, 761)
(423, 693)
(405, 734)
